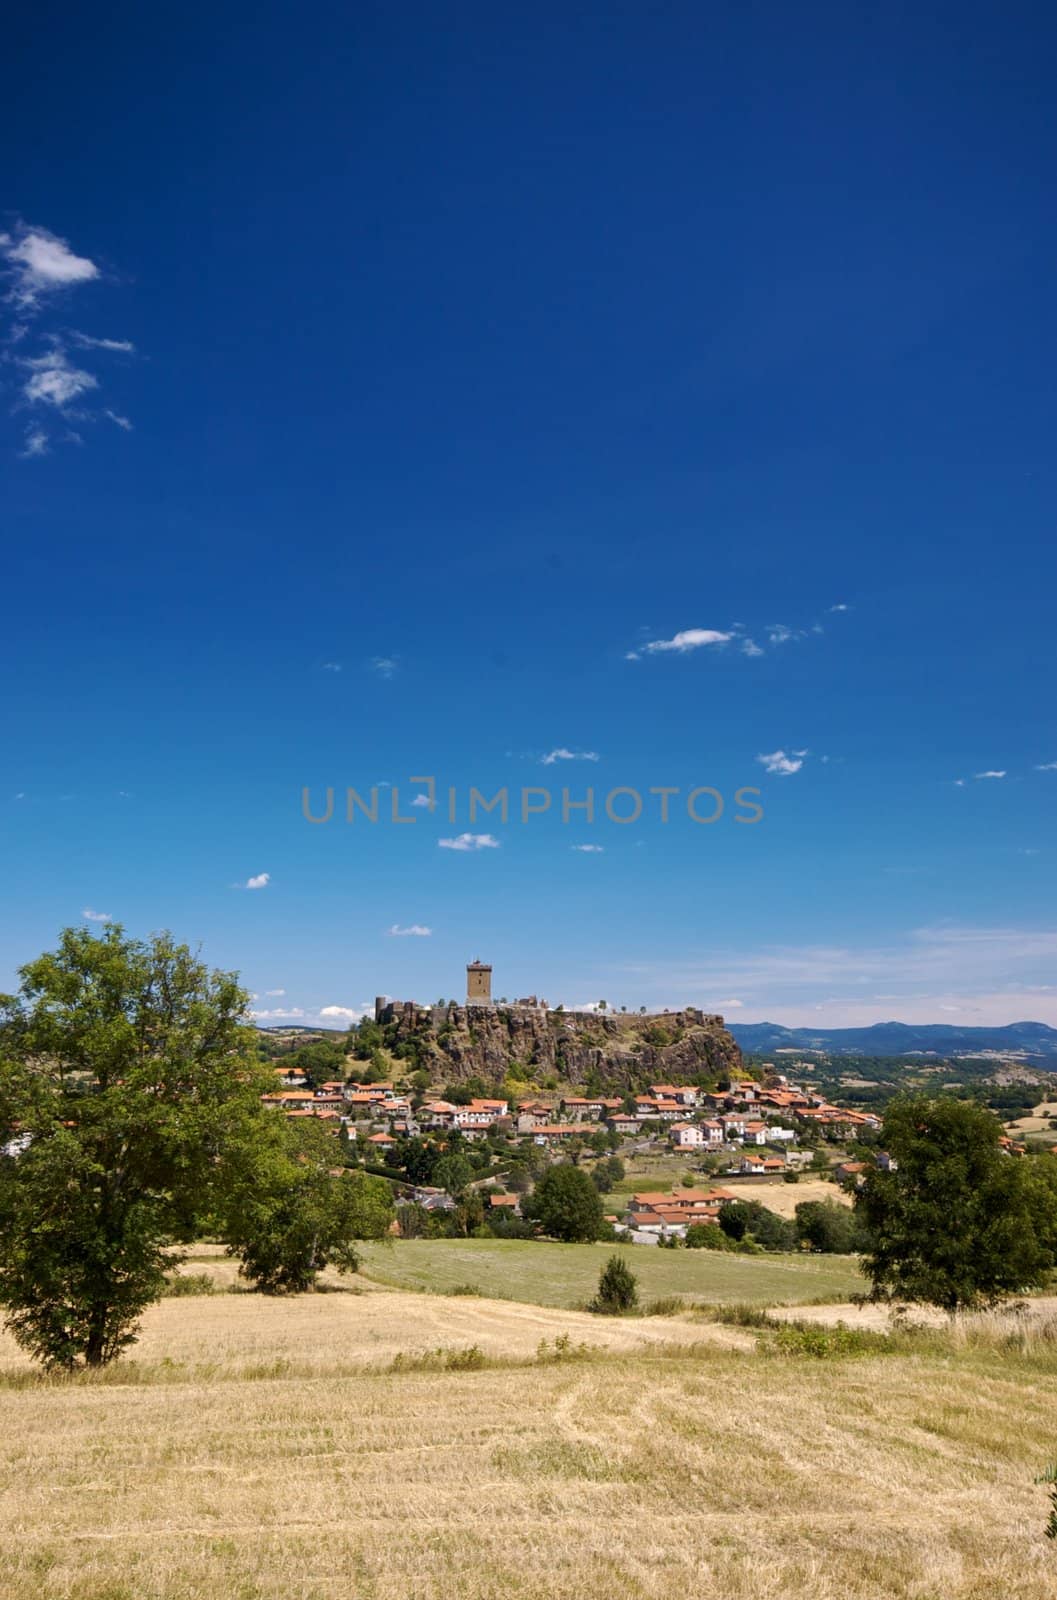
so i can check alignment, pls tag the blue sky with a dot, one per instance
(425, 392)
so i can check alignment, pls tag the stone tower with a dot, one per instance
(478, 983)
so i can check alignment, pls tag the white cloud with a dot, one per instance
(54, 382)
(261, 881)
(290, 1013)
(561, 754)
(995, 974)
(95, 916)
(40, 262)
(990, 774)
(36, 444)
(332, 666)
(782, 765)
(424, 800)
(38, 267)
(117, 346)
(589, 849)
(384, 666)
(274, 993)
(778, 633)
(470, 841)
(840, 607)
(1047, 766)
(414, 931)
(749, 647)
(681, 643)
(345, 1013)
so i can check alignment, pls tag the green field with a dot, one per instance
(567, 1274)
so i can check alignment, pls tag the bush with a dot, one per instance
(618, 1291)
(708, 1236)
(188, 1283)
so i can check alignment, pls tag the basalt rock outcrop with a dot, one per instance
(615, 1050)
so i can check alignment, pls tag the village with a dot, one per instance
(749, 1128)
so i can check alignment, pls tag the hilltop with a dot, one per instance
(455, 1042)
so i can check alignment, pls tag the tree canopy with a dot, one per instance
(127, 1078)
(566, 1205)
(959, 1223)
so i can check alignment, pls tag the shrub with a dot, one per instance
(617, 1289)
(188, 1283)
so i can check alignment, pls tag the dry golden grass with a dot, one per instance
(639, 1473)
(784, 1198)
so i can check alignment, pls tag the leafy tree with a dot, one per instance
(419, 1160)
(829, 1227)
(607, 1174)
(617, 1289)
(453, 1173)
(566, 1205)
(413, 1221)
(128, 1068)
(291, 1215)
(708, 1236)
(959, 1223)
(741, 1218)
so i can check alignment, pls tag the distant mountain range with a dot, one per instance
(1032, 1039)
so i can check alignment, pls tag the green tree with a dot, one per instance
(453, 1173)
(708, 1236)
(829, 1227)
(291, 1215)
(959, 1223)
(748, 1218)
(127, 1068)
(618, 1291)
(566, 1205)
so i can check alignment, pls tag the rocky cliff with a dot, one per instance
(625, 1052)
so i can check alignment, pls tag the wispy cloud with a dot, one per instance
(414, 931)
(745, 641)
(279, 1014)
(36, 444)
(331, 666)
(589, 849)
(85, 341)
(680, 643)
(54, 382)
(384, 666)
(424, 802)
(95, 916)
(781, 765)
(562, 754)
(274, 993)
(39, 263)
(470, 841)
(997, 974)
(1047, 766)
(40, 269)
(991, 773)
(260, 881)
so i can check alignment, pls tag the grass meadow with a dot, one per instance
(567, 1274)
